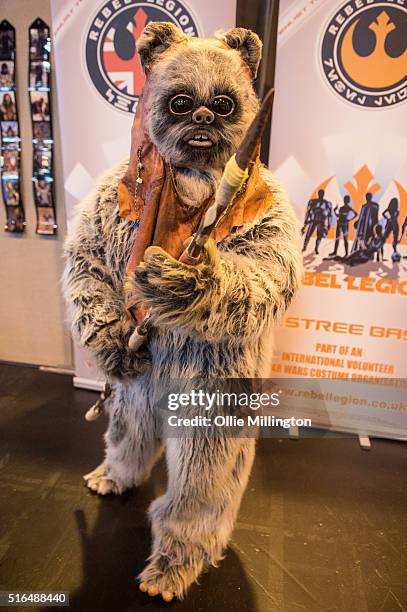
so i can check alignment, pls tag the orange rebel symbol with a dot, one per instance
(378, 69)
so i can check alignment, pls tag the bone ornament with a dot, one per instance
(139, 335)
(96, 410)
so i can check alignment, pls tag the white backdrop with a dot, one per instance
(95, 134)
(351, 321)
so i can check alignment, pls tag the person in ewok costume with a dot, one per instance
(213, 318)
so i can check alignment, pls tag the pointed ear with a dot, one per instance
(156, 37)
(248, 44)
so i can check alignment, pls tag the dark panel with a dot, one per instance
(262, 17)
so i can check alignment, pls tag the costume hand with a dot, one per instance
(164, 282)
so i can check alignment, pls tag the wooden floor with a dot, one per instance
(323, 524)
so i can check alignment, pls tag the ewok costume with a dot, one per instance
(214, 319)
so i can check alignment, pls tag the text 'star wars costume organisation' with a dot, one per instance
(212, 320)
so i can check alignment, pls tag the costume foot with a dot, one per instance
(170, 580)
(98, 482)
(332, 254)
(153, 590)
(99, 471)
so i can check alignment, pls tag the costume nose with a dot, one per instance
(203, 115)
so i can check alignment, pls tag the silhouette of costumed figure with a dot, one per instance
(403, 231)
(368, 219)
(374, 246)
(391, 214)
(344, 215)
(318, 216)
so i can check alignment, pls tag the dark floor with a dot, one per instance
(323, 524)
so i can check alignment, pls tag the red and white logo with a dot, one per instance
(111, 55)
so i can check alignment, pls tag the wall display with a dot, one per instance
(339, 145)
(39, 87)
(9, 132)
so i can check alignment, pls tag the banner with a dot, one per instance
(339, 146)
(99, 79)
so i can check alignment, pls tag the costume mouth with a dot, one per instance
(200, 140)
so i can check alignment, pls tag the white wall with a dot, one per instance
(32, 328)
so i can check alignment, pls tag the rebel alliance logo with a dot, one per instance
(364, 55)
(110, 49)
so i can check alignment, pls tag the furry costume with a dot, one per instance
(213, 320)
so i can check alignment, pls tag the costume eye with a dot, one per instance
(223, 105)
(181, 104)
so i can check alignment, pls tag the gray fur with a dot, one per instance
(181, 71)
(193, 521)
(248, 44)
(215, 323)
(210, 322)
(156, 37)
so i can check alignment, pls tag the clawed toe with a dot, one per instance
(107, 486)
(92, 485)
(167, 596)
(96, 473)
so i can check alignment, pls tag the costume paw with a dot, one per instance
(153, 590)
(98, 482)
(168, 578)
(170, 287)
(97, 472)
(162, 272)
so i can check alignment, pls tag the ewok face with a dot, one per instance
(201, 98)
